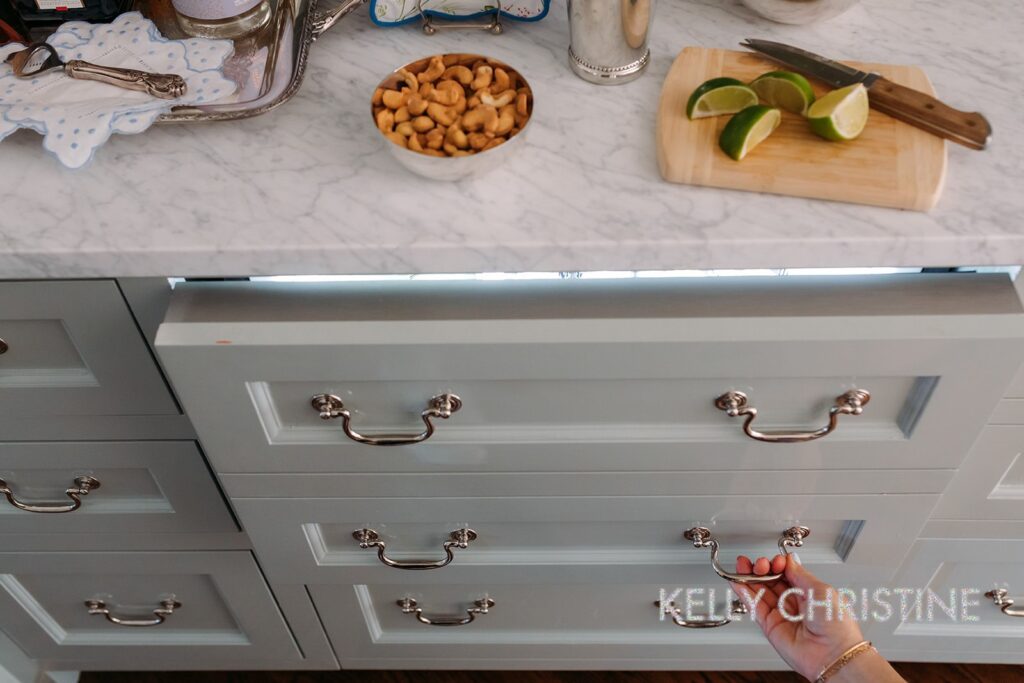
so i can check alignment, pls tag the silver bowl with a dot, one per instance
(453, 168)
(799, 11)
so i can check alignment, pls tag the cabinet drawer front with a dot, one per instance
(225, 614)
(143, 487)
(569, 393)
(73, 349)
(581, 539)
(990, 483)
(600, 622)
(980, 565)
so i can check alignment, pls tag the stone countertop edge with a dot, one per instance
(309, 188)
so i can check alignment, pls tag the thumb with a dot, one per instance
(800, 577)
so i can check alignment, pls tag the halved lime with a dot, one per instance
(842, 114)
(786, 90)
(720, 96)
(748, 129)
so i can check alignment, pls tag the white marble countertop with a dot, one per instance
(309, 188)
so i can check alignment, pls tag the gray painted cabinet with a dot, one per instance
(119, 549)
(577, 428)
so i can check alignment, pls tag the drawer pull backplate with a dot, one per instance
(1004, 602)
(735, 404)
(441, 406)
(160, 614)
(792, 537)
(81, 488)
(679, 617)
(481, 606)
(460, 538)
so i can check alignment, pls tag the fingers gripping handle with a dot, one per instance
(701, 537)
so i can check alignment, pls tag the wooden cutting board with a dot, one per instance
(892, 164)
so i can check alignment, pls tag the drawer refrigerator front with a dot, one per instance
(572, 580)
(578, 429)
(895, 372)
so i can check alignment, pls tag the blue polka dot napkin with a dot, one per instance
(76, 117)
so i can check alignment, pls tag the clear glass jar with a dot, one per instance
(222, 18)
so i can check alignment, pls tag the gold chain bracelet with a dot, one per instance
(843, 659)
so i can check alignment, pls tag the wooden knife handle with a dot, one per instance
(924, 111)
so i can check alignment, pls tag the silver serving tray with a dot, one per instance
(267, 65)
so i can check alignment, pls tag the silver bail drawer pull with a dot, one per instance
(493, 26)
(792, 537)
(160, 614)
(679, 618)
(1001, 599)
(734, 403)
(460, 538)
(481, 606)
(441, 406)
(81, 488)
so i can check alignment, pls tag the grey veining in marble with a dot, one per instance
(309, 188)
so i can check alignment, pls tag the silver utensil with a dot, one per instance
(920, 110)
(39, 58)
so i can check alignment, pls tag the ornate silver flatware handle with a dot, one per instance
(82, 487)
(481, 606)
(164, 86)
(1000, 597)
(160, 614)
(460, 538)
(323, 20)
(441, 406)
(792, 537)
(737, 607)
(734, 403)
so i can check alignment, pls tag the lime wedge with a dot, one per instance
(786, 90)
(842, 114)
(748, 129)
(720, 96)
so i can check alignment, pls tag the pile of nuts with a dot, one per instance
(452, 105)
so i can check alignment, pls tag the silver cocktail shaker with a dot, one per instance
(608, 39)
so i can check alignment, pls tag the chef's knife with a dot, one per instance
(906, 104)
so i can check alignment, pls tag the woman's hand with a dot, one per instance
(808, 645)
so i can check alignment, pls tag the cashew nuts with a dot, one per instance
(452, 105)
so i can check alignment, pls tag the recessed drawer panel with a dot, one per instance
(610, 624)
(101, 487)
(588, 539)
(990, 483)
(654, 378)
(71, 348)
(992, 629)
(169, 610)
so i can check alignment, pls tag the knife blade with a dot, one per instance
(921, 110)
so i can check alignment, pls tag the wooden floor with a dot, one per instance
(920, 673)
